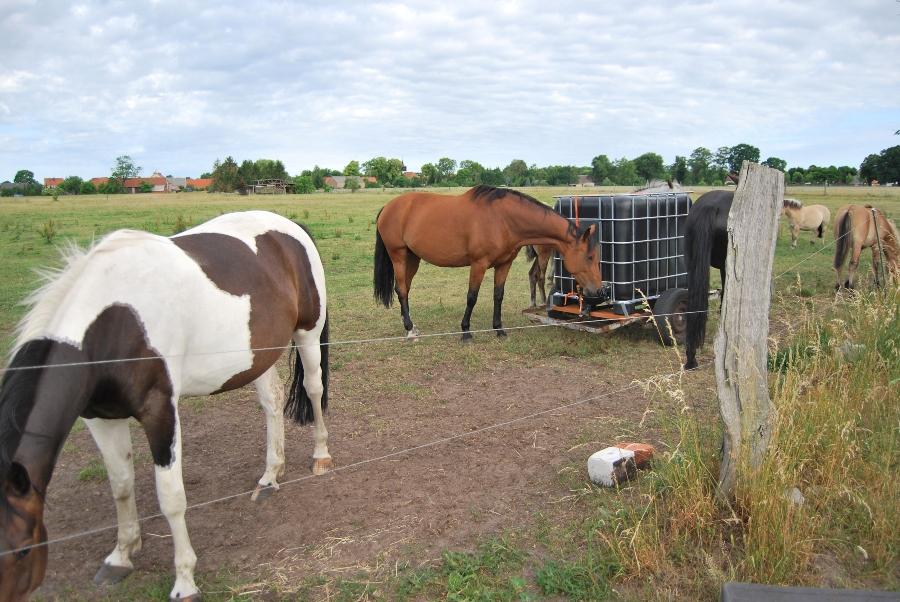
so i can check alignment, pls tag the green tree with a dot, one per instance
(470, 173)
(679, 170)
(889, 164)
(352, 169)
(125, 168)
(304, 184)
(626, 174)
(225, 176)
(560, 175)
(492, 177)
(699, 163)
(352, 182)
(740, 153)
(516, 173)
(775, 163)
(88, 188)
(386, 171)
(649, 166)
(145, 187)
(24, 176)
(601, 168)
(111, 186)
(429, 174)
(445, 168)
(71, 185)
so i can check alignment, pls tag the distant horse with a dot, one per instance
(483, 228)
(705, 246)
(127, 328)
(812, 217)
(540, 256)
(854, 230)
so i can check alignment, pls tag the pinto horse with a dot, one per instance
(483, 228)
(856, 228)
(705, 246)
(811, 217)
(123, 331)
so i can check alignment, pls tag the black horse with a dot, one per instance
(705, 245)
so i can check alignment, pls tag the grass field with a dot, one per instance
(599, 543)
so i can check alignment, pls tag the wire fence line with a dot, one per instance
(359, 463)
(389, 339)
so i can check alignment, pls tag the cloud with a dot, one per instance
(187, 82)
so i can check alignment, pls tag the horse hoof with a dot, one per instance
(467, 337)
(110, 574)
(262, 493)
(412, 335)
(690, 365)
(321, 466)
(501, 333)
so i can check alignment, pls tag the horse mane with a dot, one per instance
(891, 243)
(54, 285)
(792, 203)
(492, 193)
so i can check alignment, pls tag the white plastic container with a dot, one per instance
(610, 466)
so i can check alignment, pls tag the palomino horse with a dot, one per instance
(855, 228)
(812, 217)
(705, 245)
(123, 331)
(483, 228)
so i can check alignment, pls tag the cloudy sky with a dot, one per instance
(176, 84)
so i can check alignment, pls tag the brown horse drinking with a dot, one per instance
(855, 228)
(483, 228)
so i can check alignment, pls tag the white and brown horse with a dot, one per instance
(127, 328)
(812, 218)
(857, 227)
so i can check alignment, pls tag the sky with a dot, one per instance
(177, 84)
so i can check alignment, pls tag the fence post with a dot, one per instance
(741, 341)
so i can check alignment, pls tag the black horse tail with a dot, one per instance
(698, 241)
(383, 280)
(843, 241)
(530, 253)
(299, 405)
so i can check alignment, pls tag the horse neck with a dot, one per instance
(52, 399)
(536, 226)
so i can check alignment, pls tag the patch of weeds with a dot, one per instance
(335, 256)
(584, 579)
(306, 214)
(349, 219)
(48, 231)
(338, 233)
(181, 224)
(94, 471)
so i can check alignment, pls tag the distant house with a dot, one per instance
(157, 183)
(585, 181)
(98, 182)
(176, 184)
(340, 182)
(52, 182)
(199, 183)
(410, 175)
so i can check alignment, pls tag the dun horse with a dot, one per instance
(705, 246)
(483, 228)
(857, 227)
(123, 331)
(812, 217)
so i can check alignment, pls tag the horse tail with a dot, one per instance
(383, 280)
(299, 405)
(843, 234)
(530, 253)
(820, 231)
(698, 239)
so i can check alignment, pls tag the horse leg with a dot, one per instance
(401, 260)
(795, 234)
(533, 277)
(311, 356)
(543, 260)
(271, 397)
(113, 439)
(476, 275)
(173, 504)
(854, 264)
(500, 274)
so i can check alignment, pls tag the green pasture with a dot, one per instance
(31, 229)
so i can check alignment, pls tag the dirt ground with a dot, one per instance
(407, 508)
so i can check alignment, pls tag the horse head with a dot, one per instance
(22, 567)
(581, 258)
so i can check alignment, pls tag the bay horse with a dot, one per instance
(812, 218)
(854, 230)
(124, 330)
(540, 256)
(705, 246)
(483, 227)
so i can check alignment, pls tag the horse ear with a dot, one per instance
(18, 480)
(589, 232)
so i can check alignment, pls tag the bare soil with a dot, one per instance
(406, 508)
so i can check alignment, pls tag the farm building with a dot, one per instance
(199, 183)
(52, 182)
(340, 182)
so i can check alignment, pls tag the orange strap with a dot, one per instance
(575, 202)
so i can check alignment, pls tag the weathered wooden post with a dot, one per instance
(741, 342)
